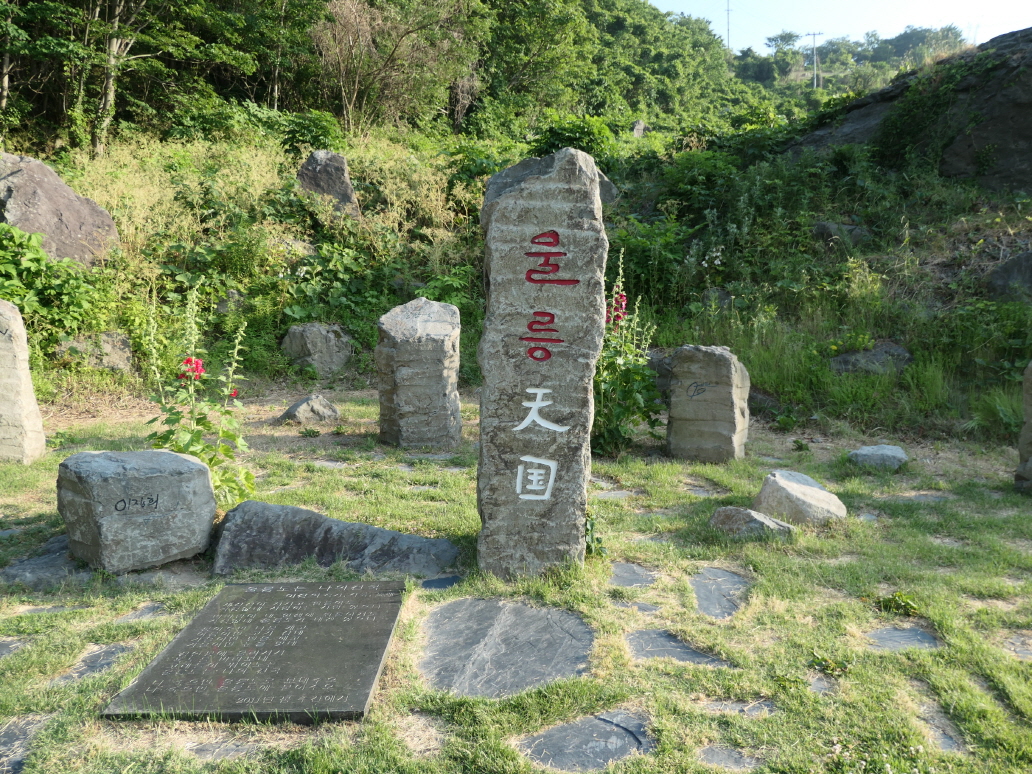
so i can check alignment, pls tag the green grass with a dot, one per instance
(966, 562)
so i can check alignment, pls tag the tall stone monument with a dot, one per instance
(546, 257)
(709, 405)
(21, 425)
(417, 361)
(1023, 475)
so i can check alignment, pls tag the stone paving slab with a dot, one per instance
(94, 660)
(436, 584)
(145, 612)
(225, 749)
(6, 533)
(895, 638)
(16, 741)
(641, 607)
(51, 568)
(821, 685)
(590, 743)
(614, 494)
(485, 647)
(751, 709)
(628, 575)
(656, 643)
(1020, 645)
(727, 758)
(34, 610)
(9, 645)
(718, 592)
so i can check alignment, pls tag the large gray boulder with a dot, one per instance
(709, 411)
(111, 350)
(130, 510)
(21, 424)
(326, 173)
(797, 499)
(314, 408)
(417, 363)
(34, 199)
(321, 346)
(745, 523)
(1023, 475)
(264, 536)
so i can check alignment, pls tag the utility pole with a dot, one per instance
(728, 26)
(813, 36)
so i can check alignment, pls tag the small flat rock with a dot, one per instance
(870, 518)
(94, 660)
(430, 456)
(145, 612)
(630, 575)
(656, 643)
(821, 685)
(893, 638)
(798, 499)
(9, 645)
(405, 468)
(699, 488)
(727, 758)
(51, 609)
(16, 740)
(921, 497)
(882, 457)
(485, 647)
(641, 607)
(331, 464)
(601, 483)
(223, 749)
(745, 523)
(718, 592)
(750, 709)
(437, 584)
(51, 569)
(173, 576)
(942, 731)
(590, 743)
(421, 488)
(6, 533)
(614, 494)
(1020, 645)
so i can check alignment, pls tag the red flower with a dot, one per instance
(195, 366)
(233, 394)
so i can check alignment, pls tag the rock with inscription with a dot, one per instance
(267, 536)
(314, 408)
(882, 456)
(324, 348)
(326, 173)
(798, 499)
(417, 363)
(129, 510)
(21, 424)
(1023, 475)
(545, 261)
(709, 405)
(111, 350)
(744, 523)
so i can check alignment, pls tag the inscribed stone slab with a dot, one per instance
(589, 743)
(545, 261)
(272, 651)
(484, 647)
(21, 424)
(709, 405)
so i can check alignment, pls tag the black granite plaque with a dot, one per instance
(272, 651)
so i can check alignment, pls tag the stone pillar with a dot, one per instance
(1023, 475)
(21, 425)
(709, 405)
(545, 262)
(417, 361)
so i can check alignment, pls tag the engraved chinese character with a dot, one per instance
(538, 479)
(535, 407)
(546, 267)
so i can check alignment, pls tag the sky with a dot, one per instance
(752, 21)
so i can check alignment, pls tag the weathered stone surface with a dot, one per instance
(145, 612)
(267, 536)
(439, 584)
(880, 456)
(9, 645)
(797, 499)
(1023, 475)
(130, 510)
(639, 128)
(744, 523)
(111, 350)
(309, 410)
(659, 362)
(21, 424)
(709, 411)
(325, 348)
(750, 709)
(840, 233)
(656, 643)
(821, 685)
(16, 741)
(590, 743)
(884, 357)
(94, 660)
(545, 261)
(641, 607)
(326, 173)
(718, 592)
(1012, 280)
(727, 758)
(894, 638)
(34, 199)
(417, 363)
(485, 647)
(52, 568)
(631, 575)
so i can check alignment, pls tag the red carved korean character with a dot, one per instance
(546, 267)
(539, 353)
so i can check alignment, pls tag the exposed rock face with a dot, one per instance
(639, 128)
(880, 456)
(988, 134)
(417, 361)
(884, 357)
(797, 499)
(314, 408)
(1012, 280)
(744, 523)
(21, 424)
(1023, 475)
(325, 172)
(546, 254)
(34, 199)
(267, 536)
(709, 412)
(326, 348)
(111, 350)
(129, 510)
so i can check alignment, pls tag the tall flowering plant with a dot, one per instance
(199, 411)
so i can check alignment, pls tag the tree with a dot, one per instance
(783, 41)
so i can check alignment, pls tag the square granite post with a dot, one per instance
(21, 424)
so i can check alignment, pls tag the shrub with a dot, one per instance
(585, 133)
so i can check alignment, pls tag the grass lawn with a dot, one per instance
(947, 533)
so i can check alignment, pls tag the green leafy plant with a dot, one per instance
(200, 411)
(829, 666)
(586, 133)
(310, 432)
(592, 539)
(315, 129)
(897, 602)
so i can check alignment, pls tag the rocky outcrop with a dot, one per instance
(320, 346)
(34, 199)
(326, 173)
(111, 350)
(882, 456)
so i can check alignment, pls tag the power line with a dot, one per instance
(814, 35)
